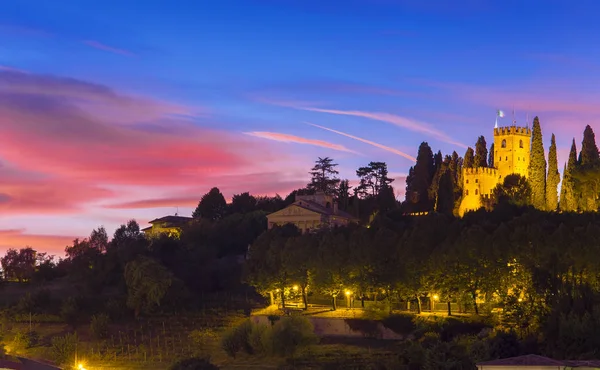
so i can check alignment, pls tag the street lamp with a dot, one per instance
(348, 293)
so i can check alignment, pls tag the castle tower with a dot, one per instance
(511, 150)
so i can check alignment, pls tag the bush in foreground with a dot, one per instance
(282, 339)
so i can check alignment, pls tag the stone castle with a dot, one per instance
(511, 155)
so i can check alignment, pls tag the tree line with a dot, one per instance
(540, 269)
(435, 182)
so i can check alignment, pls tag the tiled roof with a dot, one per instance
(173, 219)
(316, 207)
(536, 360)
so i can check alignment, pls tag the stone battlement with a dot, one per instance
(480, 171)
(512, 130)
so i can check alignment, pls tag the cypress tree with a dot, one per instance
(445, 200)
(491, 157)
(417, 192)
(568, 199)
(553, 177)
(469, 158)
(481, 152)
(536, 173)
(589, 160)
(562, 202)
(589, 151)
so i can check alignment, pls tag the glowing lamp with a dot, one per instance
(435, 297)
(348, 292)
(295, 287)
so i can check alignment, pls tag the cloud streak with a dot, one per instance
(100, 46)
(20, 238)
(380, 146)
(396, 120)
(285, 138)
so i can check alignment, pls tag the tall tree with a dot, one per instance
(553, 177)
(242, 203)
(469, 158)
(589, 151)
(417, 191)
(19, 265)
(324, 176)
(147, 283)
(491, 157)
(481, 152)
(586, 180)
(343, 195)
(536, 173)
(568, 200)
(212, 206)
(445, 194)
(373, 178)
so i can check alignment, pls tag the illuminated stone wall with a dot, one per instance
(511, 155)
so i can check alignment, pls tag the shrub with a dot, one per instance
(261, 339)
(429, 339)
(63, 348)
(193, 364)
(99, 326)
(292, 333)
(236, 339)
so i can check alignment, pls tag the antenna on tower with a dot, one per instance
(514, 121)
(176, 211)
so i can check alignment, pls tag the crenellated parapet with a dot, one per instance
(512, 130)
(472, 171)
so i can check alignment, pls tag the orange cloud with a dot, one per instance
(99, 46)
(285, 138)
(19, 238)
(380, 146)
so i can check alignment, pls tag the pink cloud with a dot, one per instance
(380, 146)
(258, 184)
(18, 238)
(285, 138)
(100, 46)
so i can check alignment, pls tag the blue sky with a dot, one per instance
(195, 94)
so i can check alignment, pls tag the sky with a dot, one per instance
(115, 110)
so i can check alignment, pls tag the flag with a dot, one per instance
(500, 114)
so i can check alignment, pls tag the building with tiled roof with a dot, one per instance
(536, 362)
(170, 225)
(311, 212)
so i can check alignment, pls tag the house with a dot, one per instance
(535, 362)
(170, 225)
(309, 212)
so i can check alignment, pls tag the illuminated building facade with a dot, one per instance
(309, 212)
(511, 155)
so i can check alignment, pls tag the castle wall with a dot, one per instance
(477, 182)
(511, 155)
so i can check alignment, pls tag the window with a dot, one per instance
(504, 143)
(521, 144)
(467, 192)
(499, 159)
(467, 181)
(506, 158)
(477, 181)
(476, 191)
